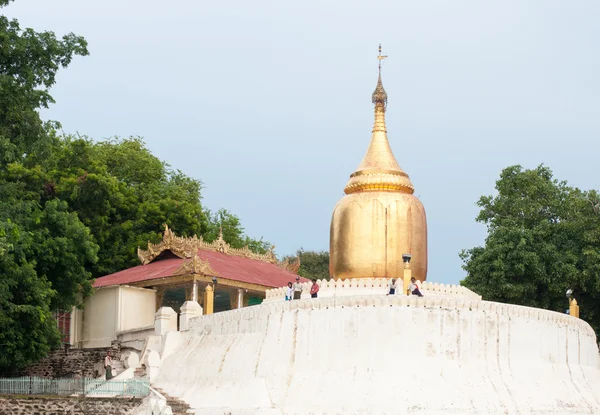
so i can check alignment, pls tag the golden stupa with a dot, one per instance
(379, 219)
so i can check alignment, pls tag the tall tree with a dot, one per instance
(45, 248)
(543, 239)
(123, 194)
(29, 62)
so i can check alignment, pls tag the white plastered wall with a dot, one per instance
(76, 329)
(113, 309)
(137, 309)
(385, 354)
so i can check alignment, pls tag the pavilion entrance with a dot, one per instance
(173, 292)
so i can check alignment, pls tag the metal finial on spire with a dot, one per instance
(380, 58)
(380, 96)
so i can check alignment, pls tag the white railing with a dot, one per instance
(370, 286)
(85, 387)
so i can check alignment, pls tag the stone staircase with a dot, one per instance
(178, 406)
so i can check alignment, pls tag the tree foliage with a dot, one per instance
(313, 264)
(29, 62)
(224, 221)
(124, 195)
(44, 248)
(543, 238)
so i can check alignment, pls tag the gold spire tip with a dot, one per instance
(380, 96)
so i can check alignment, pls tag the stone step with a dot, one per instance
(178, 406)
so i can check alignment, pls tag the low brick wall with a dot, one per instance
(32, 405)
(68, 362)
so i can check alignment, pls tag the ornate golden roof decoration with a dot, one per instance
(196, 265)
(292, 265)
(181, 247)
(188, 248)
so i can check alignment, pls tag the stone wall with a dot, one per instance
(66, 406)
(377, 354)
(68, 362)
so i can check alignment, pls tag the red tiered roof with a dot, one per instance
(253, 271)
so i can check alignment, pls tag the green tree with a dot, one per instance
(45, 249)
(543, 239)
(233, 233)
(29, 62)
(313, 264)
(27, 331)
(123, 194)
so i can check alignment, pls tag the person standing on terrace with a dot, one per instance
(414, 288)
(297, 289)
(314, 289)
(392, 287)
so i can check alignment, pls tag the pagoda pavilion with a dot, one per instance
(176, 270)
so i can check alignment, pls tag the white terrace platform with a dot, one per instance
(370, 354)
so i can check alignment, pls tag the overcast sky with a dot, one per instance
(268, 102)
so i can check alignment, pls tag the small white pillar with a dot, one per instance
(165, 320)
(130, 360)
(189, 310)
(152, 364)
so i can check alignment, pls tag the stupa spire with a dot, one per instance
(379, 95)
(379, 170)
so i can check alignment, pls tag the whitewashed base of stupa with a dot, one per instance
(385, 355)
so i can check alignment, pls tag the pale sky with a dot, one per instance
(268, 102)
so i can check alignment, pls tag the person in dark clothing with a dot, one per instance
(414, 288)
(108, 366)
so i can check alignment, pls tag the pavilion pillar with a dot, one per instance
(160, 292)
(209, 299)
(232, 299)
(240, 298)
(195, 291)
(407, 277)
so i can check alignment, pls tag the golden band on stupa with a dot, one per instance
(379, 219)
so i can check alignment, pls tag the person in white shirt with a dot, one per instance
(297, 289)
(392, 287)
(108, 366)
(289, 292)
(414, 288)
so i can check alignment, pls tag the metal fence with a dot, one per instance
(70, 387)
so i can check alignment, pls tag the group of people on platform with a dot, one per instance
(294, 290)
(413, 288)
